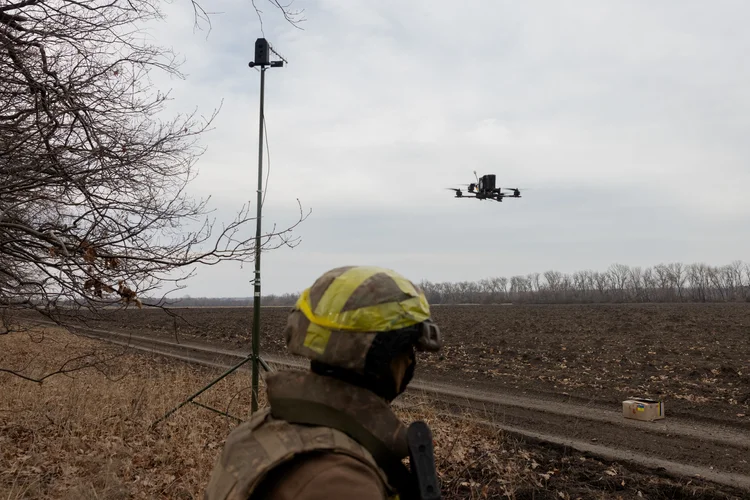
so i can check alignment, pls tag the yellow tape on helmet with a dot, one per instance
(404, 284)
(316, 338)
(338, 292)
(380, 317)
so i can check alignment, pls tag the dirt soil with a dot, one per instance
(87, 435)
(694, 357)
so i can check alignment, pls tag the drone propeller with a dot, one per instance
(516, 192)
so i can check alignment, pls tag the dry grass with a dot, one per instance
(475, 461)
(86, 434)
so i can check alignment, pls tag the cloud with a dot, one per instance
(627, 120)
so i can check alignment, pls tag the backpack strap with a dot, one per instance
(299, 411)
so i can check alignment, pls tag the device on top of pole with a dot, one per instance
(263, 60)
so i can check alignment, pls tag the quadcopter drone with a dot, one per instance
(484, 189)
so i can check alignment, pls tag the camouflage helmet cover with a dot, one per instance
(337, 318)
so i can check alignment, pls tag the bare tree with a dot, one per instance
(696, 276)
(718, 281)
(678, 277)
(553, 279)
(636, 283)
(602, 285)
(580, 285)
(619, 274)
(488, 290)
(503, 285)
(649, 284)
(735, 270)
(664, 282)
(93, 184)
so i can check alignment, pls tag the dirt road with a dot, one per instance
(676, 445)
(696, 357)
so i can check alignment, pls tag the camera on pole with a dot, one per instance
(263, 55)
(262, 60)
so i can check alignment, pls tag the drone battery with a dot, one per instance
(489, 182)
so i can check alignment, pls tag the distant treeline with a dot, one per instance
(675, 282)
(287, 299)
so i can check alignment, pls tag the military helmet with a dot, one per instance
(337, 319)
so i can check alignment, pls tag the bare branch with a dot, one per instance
(94, 210)
(71, 365)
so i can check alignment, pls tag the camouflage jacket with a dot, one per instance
(297, 424)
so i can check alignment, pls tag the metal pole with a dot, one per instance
(256, 296)
(191, 398)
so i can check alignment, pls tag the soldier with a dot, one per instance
(330, 432)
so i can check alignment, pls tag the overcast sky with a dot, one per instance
(628, 121)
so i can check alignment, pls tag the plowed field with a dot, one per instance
(694, 357)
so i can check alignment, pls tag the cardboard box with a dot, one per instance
(643, 409)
